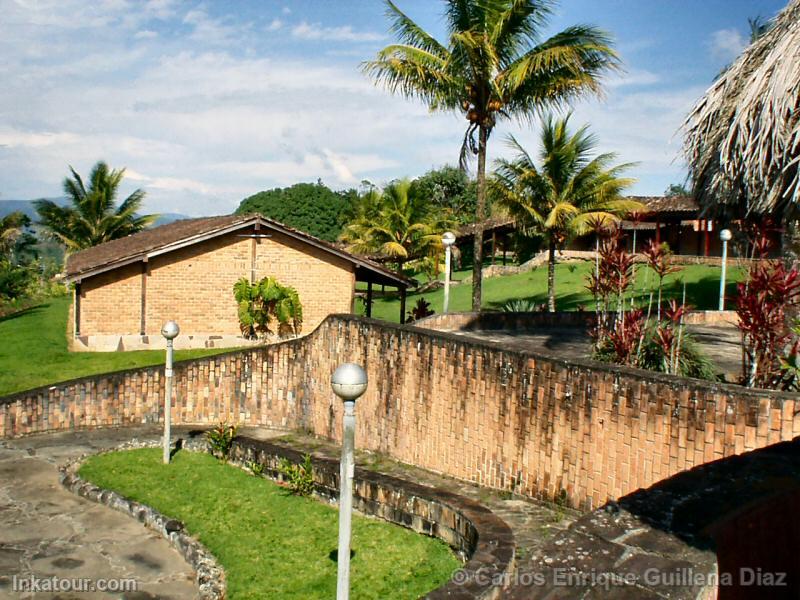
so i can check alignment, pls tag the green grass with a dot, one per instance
(702, 289)
(33, 351)
(272, 544)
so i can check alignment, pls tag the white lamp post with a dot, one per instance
(725, 235)
(170, 330)
(448, 239)
(349, 381)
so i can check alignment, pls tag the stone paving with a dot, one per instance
(721, 344)
(46, 531)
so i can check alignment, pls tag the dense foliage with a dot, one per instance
(449, 189)
(93, 216)
(398, 225)
(310, 207)
(265, 301)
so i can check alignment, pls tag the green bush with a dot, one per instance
(299, 477)
(260, 303)
(220, 440)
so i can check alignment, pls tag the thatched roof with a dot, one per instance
(742, 139)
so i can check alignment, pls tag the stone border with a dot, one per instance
(210, 577)
(481, 537)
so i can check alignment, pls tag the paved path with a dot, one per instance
(46, 531)
(721, 344)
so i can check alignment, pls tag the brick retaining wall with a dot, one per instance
(504, 419)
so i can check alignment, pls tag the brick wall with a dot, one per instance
(504, 419)
(194, 285)
(110, 302)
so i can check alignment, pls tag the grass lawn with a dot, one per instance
(702, 289)
(272, 544)
(33, 350)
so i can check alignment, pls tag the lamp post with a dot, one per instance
(349, 381)
(170, 331)
(448, 239)
(725, 235)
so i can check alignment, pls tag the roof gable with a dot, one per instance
(179, 234)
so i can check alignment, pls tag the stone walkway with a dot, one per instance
(721, 344)
(45, 531)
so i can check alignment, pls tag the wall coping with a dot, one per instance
(754, 394)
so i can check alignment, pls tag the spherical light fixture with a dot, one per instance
(170, 330)
(349, 381)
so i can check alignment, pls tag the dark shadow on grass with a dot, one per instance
(31, 310)
(334, 555)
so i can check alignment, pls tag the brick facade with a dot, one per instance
(194, 285)
(504, 419)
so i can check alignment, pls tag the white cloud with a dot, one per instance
(286, 10)
(345, 33)
(727, 44)
(145, 34)
(274, 25)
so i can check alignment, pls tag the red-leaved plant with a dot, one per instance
(769, 291)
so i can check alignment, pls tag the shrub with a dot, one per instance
(220, 440)
(256, 468)
(261, 303)
(523, 305)
(299, 477)
(421, 310)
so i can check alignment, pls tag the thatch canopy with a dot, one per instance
(742, 139)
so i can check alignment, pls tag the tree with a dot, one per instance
(449, 189)
(677, 189)
(12, 228)
(93, 217)
(567, 195)
(494, 65)
(310, 207)
(395, 224)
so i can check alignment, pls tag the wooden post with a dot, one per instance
(707, 244)
(143, 306)
(402, 305)
(369, 298)
(658, 232)
(77, 310)
(494, 243)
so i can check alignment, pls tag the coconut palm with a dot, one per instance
(395, 224)
(93, 217)
(12, 227)
(570, 193)
(494, 65)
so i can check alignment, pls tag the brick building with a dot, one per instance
(126, 289)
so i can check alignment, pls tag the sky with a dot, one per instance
(206, 103)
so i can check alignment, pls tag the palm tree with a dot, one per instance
(395, 224)
(494, 65)
(93, 217)
(567, 195)
(12, 226)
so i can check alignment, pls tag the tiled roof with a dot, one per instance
(189, 231)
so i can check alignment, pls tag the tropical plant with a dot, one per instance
(220, 439)
(494, 65)
(12, 228)
(421, 310)
(522, 305)
(267, 300)
(299, 477)
(396, 225)
(567, 194)
(659, 258)
(765, 298)
(93, 217)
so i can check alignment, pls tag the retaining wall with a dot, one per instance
(511, 420)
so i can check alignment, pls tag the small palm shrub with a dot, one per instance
(220, 440)
(299, 477)
(522, 305)
(264, 302)
(421, 310)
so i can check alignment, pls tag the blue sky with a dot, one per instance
(208, 102)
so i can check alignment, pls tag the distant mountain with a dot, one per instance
(26, 206)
